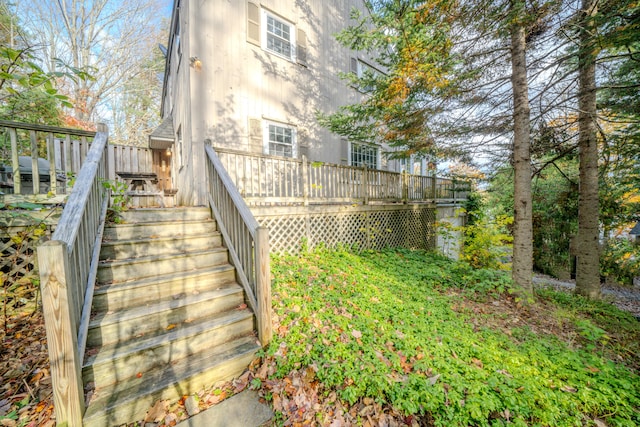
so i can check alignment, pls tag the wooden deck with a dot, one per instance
(53, 156)
(264, 180)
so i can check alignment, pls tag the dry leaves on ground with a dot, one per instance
(25, 394)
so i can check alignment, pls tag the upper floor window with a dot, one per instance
(275, 34)
(280, 140)
(279, 36)
(364, 155)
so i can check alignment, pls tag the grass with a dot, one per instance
(439, 340)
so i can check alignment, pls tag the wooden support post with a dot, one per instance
(433, 188)
(35, 170)
(61, 325)
(305, 180)
(365, 185)
(453, 188)
(405, 187)
(51, 155)
(263, 285)
(15, 163)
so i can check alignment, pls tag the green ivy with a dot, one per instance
(382, 325)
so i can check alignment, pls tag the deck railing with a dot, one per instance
(246, 240)
(68, 265)
(264, 180)
(38, 159)
(52, 156)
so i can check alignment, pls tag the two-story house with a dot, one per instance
(251, 76)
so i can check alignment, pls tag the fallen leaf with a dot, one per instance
(216, 398)
(434, 379)
(356, 334)
(568, 389)
(157, 412)
(170, 326)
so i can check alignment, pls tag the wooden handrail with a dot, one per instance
(68, 265)
(246, 241)
(61, 150)
(46, 128)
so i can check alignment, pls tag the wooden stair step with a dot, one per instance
(167, 214)
(130, 248)
(116, 296)
(128, 401)
(158, 229)
(158, 265)
(121, 326)
(119, 361)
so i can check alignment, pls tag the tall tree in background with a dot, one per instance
(522, 271)
(448, 78)
(27, 92)
(137, 103)
(409, 42)
(588, 256)
(106, 38)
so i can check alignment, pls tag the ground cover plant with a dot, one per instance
(411, 338)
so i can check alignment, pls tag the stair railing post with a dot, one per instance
(305, 180)
(434, 183)
(61, 322)
(365, 184)
(263, 285)
(405, 187)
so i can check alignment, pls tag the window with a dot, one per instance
(279, 36)
(365, 72)
(276, 35)
(364, 155)
(280, 140)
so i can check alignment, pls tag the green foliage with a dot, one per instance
(382, 325)
(28, 93)
(620, 261)
(555, 216)
(119, 199)
(410, 41)
(487, 242)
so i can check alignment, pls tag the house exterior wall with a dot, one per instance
(238, 86)
(449, 222)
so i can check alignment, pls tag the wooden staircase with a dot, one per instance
(168, 317)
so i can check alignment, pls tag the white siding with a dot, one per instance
(239, 82)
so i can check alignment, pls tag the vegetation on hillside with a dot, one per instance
(414, 337)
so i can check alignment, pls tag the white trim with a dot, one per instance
(264, 35)
(266, 141)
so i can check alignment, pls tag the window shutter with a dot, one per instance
(301, 48)
(354, 66)
(255, 136)
(344, 151)
(253, 23)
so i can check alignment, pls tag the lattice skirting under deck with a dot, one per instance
(362, 227)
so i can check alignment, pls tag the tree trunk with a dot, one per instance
(587, 250)
(523, 229)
